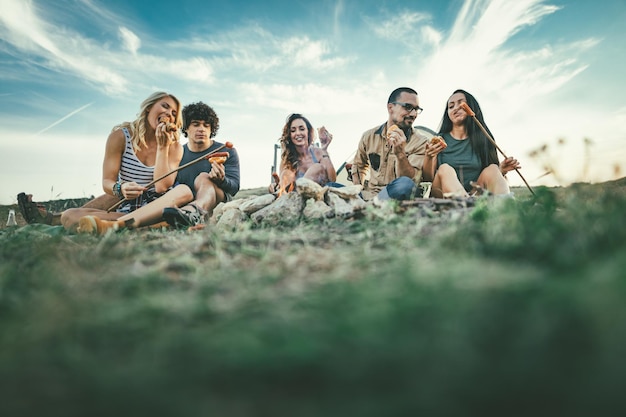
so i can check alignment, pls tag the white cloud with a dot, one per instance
(22, 27)
(489, 23)
(59, 48)
(195, 70)
(309, 97)
(431, 36)
(475, 55)
(67, 51)
(254, 49)
(302, 52)
(130, 41)
(337, 15)
(404, 27)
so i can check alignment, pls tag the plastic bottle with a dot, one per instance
(11, 220)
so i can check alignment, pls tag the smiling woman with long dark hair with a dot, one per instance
(299, 158)
(467, 161)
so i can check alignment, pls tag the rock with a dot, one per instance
(348, 192)
(257, 203)
(339, 205)
(357, 204)
(222, 207)
(314, 202)
(232, 219)
(310, 189)
(285, 210)
(317, 210)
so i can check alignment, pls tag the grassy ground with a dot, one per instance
(515, 309)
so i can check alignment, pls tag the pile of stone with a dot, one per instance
(310, 201)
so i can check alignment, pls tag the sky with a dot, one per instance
(548, 76)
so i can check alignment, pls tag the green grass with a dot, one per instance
(515, 309)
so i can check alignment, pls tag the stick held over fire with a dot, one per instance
(471, 113)
(195, 161)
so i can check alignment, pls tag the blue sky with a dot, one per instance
(542, 71)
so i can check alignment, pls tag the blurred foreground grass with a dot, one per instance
(518, 308)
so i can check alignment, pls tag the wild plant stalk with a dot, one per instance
(587, 142)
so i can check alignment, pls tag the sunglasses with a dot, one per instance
(408, 107)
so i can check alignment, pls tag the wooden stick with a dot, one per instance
(195, 161)
(471, 113)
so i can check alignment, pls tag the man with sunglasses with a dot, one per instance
(392, 153)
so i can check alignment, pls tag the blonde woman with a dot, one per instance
(136, 153)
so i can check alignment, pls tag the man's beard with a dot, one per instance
(404, 123)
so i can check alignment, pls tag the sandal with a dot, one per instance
(178, 217)
(33, 212)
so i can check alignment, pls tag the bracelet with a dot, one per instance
(117, 189)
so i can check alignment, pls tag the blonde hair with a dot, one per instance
(137, 128)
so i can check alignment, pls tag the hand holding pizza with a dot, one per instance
(435, 145)
(217, 161)
(165, 132)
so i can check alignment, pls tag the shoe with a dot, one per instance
(95, 226)
(32, 212)
(181, 218)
